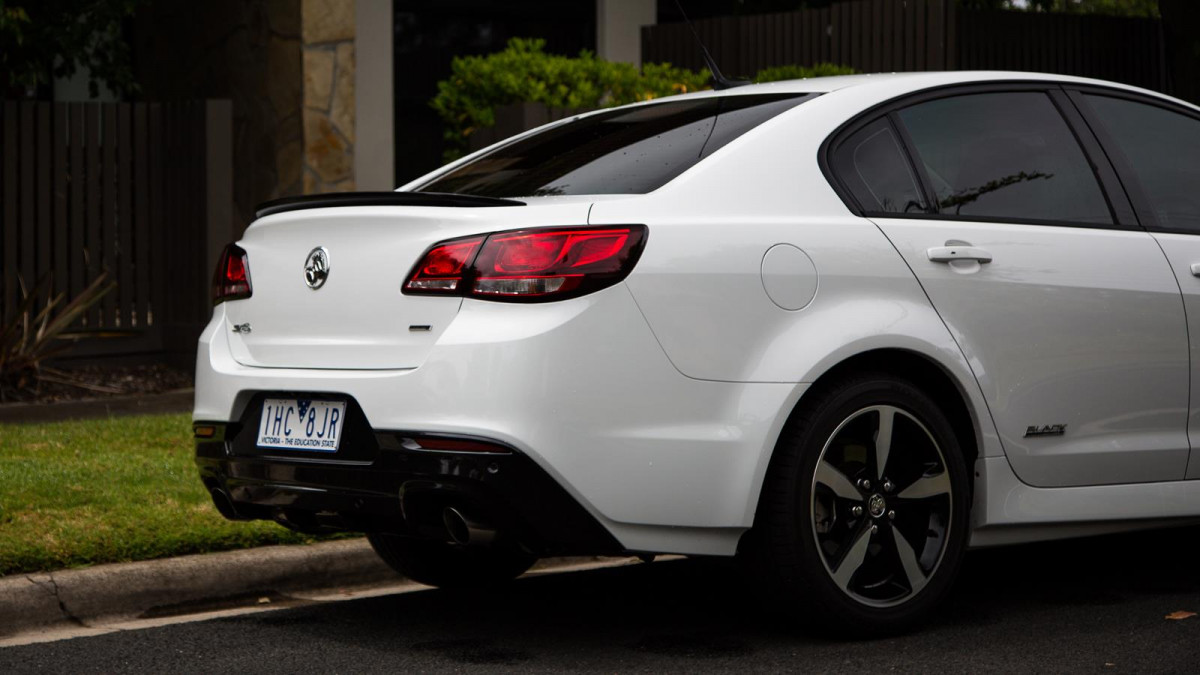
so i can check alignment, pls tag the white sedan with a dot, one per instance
(845, 327)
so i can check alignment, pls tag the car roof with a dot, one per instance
(886, 85)
(913, 81)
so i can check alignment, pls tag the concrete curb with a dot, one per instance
(155, 587)
(179, 400)
(195, 584)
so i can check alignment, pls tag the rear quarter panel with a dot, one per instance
(700, 286)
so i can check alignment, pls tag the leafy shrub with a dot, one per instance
(777, 73)
(524, 72)
(41, 40)
(467, 101)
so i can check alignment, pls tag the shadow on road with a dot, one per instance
(1078, 606)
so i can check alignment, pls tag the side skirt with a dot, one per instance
(1007, 511)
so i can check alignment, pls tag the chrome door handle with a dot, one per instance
(1196, 269)
(945, 254)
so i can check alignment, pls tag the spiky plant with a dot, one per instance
(37, 331)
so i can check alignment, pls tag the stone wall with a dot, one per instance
(327, 36)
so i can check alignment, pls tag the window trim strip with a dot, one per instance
(924, 184)
(1123, 168)
(1114, 193)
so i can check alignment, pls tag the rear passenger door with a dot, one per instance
(1067, 311)
(1155, 146)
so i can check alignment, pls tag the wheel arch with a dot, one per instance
(923, 371)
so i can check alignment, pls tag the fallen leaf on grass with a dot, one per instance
(1180, 615)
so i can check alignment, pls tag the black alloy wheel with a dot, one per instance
(882, 534)
(865, 509)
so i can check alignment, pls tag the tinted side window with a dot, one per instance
(872, 164)
(622, 151)
(1163, 148)
(1006, 155)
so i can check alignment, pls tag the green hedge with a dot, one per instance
(523, 71)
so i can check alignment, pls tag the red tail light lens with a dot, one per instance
(232, 279)
(441, 270)
(530, 265)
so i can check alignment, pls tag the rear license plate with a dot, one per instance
(301, 424)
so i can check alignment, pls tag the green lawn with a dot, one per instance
(111, 490)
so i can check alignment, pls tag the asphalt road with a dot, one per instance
(1095, 605)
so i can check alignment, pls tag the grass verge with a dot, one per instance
(111, 490)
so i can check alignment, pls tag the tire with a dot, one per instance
(447, 565)
(904, 537)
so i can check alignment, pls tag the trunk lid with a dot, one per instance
(359, 319)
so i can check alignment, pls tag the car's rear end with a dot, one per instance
(355, 404)
(472, 368)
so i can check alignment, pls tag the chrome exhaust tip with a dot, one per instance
(463, 530)
(224, 504)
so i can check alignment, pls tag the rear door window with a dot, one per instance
(1163, 148)
(622, 151)
(872, 164)
(1004, 156)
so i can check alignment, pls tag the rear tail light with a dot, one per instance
(232, 279)
(529, 265)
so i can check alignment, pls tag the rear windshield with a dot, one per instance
(622, 151)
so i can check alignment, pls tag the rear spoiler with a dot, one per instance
(378, 199)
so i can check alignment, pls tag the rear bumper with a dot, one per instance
(389, 488)
(581, 390)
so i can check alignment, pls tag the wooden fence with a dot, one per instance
(905, 35)
(1121, 49)
(116, 187)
